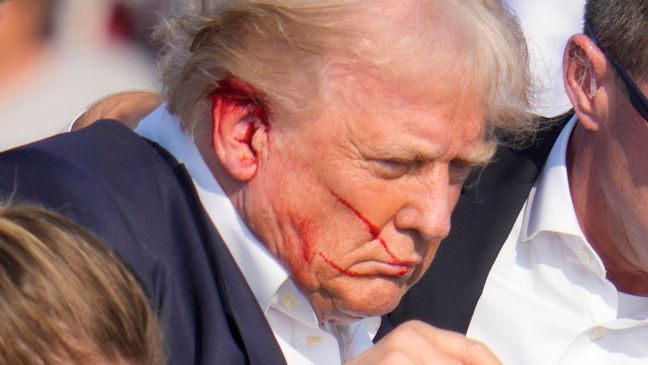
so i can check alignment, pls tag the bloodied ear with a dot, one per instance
(238, 120)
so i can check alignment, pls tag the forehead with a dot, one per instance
(416, 60)
(408, 116)
(414, 36)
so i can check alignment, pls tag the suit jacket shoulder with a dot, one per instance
(142, 203)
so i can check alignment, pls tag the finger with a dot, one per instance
(454, 345)
(405, 348)
(127, 107)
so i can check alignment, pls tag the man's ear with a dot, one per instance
(239, 129)
(584, 66)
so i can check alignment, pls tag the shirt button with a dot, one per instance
(598, 333)
(313, 341)
(584, 257)
(289, 301)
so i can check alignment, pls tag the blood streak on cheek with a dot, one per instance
(373, 229)
(350, 273)
(307, 231)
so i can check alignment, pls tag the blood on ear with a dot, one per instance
(238, 113)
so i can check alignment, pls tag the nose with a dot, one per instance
(429, 206)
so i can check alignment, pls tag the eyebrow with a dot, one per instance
(478, 156)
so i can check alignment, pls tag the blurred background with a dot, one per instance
(59, 56)
(547, 25)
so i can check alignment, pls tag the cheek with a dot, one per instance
(372, 229)
(302, 253)
(307, 232)
(317, 252)
(336, 267)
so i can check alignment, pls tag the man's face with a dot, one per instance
(360, 195)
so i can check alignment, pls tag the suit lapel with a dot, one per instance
(245, 317)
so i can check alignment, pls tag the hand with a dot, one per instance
(416, 342)
(127, 107)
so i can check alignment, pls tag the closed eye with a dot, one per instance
(393, 168)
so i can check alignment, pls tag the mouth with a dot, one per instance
(400, 270)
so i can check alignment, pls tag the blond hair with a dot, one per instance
(282, 49)
(66, 298)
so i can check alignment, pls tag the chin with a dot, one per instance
(374, 298)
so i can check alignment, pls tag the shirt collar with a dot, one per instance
(550, 207)
(262, 271)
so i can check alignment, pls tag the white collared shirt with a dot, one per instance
(291, 317)
(547, 299)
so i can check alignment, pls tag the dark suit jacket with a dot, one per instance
(142, 203)
(447, 294)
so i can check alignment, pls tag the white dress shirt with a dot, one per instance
(547, 299)
(291, 317)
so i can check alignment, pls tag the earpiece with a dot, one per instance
(593, 88)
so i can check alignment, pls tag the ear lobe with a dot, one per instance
(583, 66)
(236, 121)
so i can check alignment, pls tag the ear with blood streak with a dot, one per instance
(248, 97)
(234, 96)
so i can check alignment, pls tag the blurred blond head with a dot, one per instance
(67, 299)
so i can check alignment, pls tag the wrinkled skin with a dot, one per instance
(355, 200)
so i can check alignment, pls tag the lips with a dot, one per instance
(376, 263)
(381, 268)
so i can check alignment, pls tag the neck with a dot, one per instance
(597, 215)
(236, 191)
